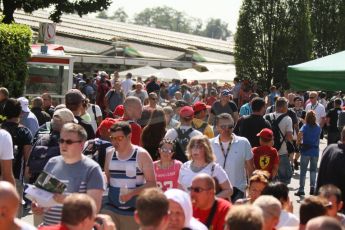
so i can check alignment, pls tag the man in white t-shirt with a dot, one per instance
(6, 156)
(234, 154)
(285, 126)
(318, 108)
(127, 84)
(95, 114)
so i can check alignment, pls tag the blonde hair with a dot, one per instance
(204, 141)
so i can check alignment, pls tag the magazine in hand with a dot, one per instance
(50, 183)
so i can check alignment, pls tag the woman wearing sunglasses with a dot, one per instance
(202, 160)
(167, 168)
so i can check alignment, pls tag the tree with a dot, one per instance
(270, 36)
(59, 6)
(120, 15)
(102, 14)
(327, 24)
(164, 18)
(217, 29)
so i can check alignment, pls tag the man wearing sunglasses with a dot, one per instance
(234, 154)
(129, 170)
(80, 173)
(208, 209)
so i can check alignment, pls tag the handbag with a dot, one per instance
(216, 182)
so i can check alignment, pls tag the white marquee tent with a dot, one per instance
(140, 72)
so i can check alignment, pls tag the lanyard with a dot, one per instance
(313, 107)
(225, 154)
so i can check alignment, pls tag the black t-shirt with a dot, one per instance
(249, 126)
(87, 126)
(217, 108)
(41, 116)
(333, 119)
(21, 136)
(152, 87)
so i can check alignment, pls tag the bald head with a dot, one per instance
(324, 223)
(206, 179)
(133, 107)
(9, 199)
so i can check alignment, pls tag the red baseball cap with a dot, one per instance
(266, 134)
(199, 106)
(105, 124)
(186, 111)
(119, 111)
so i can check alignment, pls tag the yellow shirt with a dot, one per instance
(208, 131)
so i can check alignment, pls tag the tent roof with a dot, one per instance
(327, 73)
(140, 72)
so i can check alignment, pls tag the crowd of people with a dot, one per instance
(137, 154)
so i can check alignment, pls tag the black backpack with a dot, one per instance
(278, 136)
(181, 143)
(96, 150)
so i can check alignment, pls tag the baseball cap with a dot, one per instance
(24, 103)
(106, 124)
(199, 106)
(186, 111)
(225, 92)
(65, 115)
(74, 97)
(119, 111)
(266, 134)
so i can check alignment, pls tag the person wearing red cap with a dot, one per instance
(183, 133)
(200, 114)
(266, 156)
(118, 111)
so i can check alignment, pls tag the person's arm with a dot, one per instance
(275, 170)
(96, 194)
(249, 165)
(146, 165)
(226, 190)
(299, 138)
(289, 136)
(6, 171)
(26, 153)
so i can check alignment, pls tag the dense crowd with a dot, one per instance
(134, 154)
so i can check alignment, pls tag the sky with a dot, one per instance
(227, 10)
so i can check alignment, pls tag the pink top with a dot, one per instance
(167, 178)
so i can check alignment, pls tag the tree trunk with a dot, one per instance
(9, 8)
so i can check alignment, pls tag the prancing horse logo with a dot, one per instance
(264, 161)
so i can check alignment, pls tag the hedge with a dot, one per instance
(15, 50)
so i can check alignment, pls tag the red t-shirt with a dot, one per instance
(136, 130)
(265, 157)
(54, 227)
(218, 218)
(210, 100)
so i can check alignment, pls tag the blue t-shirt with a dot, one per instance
(311, 139)
(245, 109)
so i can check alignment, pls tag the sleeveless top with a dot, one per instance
(124, 174)
(167, 178)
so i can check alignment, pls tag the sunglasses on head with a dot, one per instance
(68, 142)
(118, 138)
(167, 150)
(197, 189)
(226, 126)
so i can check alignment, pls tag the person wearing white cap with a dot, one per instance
(27, 118)
(181, 211)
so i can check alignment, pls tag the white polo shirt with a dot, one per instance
(240, 152)
(319, 110)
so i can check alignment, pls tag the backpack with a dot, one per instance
(278, 136)
(181, 143)
(201, 128)
(96, 150)
(45, 147)
(341, 120)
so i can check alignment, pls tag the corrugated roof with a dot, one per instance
(107, 30)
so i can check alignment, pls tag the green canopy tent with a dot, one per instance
(327, 73)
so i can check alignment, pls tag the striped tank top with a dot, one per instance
(124, 174)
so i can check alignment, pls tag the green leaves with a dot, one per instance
(15, 51)
(271, 35)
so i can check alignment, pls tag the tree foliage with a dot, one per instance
(164, 18)
(15, 50)
(327, 24)
(216, 28)
(270, 36)
(120, 15)
(80, 7)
